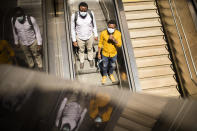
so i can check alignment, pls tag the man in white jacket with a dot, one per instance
(84, 32)
(27, 36)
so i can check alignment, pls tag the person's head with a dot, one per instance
(111, 26)
(66, 127)
(83, 7)
(19, 14)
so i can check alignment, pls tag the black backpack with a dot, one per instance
(29, 21)
(89, 12)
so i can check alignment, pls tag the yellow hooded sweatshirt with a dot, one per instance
(101, 106)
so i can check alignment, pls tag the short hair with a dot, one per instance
(111, 22)
(19, 11)
(83, 4)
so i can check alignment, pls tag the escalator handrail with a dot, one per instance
(68, 38)
(128, 49)
(108, 16)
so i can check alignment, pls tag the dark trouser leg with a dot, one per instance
(105, 65)
(112, 64)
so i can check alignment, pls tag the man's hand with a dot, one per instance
(75, 44)
(96, 38)
(39, 47)
(111, 37)
(99, 56)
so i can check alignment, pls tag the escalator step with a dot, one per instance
(95, 79)
(86, 69)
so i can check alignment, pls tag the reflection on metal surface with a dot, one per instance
(49, 94)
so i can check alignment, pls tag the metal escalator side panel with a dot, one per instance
(127, 47)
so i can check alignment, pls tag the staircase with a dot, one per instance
(150, 48)
(92, 75)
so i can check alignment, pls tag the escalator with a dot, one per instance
(150, 48)
(92, 75)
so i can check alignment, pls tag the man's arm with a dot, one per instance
(14, 33)
(119, 40)
(95, 27)
(60, 111)
(37, 30)
(73, 31)
(100, 46)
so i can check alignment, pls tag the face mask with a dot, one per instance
(98, 119)
(83, 13)
(110, 30)
(20, 18)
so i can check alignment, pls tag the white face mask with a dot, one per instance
(83, 13)
(110, 30)
(20, 18)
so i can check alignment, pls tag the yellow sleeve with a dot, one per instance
(93, 109)
(10, 50)
(119, 39)
(106, 115)
(100, 45)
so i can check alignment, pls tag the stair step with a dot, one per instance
(149, 41)
(155, 71)
(170, 91)
(153, 61)
(158, 82)
(124, 1)
(138, 117)
(150, 51)
(145, 32)
(139, 6)
(128, 124)
(143, 23)
(141, 14)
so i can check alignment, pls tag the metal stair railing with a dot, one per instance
(171, 56)
(181, 40)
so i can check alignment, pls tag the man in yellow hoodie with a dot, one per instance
(100, 110)
(110, 39)
(6, 53)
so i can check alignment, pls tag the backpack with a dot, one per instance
(89, 12)
(29, 21)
